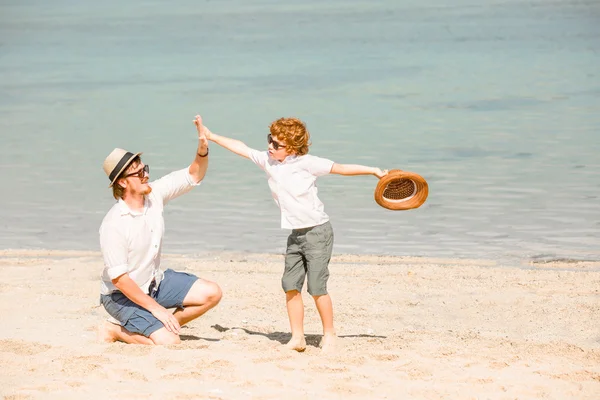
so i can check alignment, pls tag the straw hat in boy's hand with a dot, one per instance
(401, 190)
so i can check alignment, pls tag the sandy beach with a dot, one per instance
(409, 328)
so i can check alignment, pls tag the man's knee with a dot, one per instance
(214, 294)
(203, 292)
(167, 340)
(164, 337)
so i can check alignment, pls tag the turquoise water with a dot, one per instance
(495, 103)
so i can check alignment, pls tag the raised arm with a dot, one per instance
(355, 169)
(236, 146)
(200, 164)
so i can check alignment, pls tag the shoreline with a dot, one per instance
(539, 262)
(408, 327)
(223, 254)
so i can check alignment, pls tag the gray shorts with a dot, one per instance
(308, 254)
(170, 293)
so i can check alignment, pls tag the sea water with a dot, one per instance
(495, 102)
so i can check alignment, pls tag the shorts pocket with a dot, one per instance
(118, 306)
(143, 323)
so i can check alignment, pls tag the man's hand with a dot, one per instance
(203, 132)
(167, 318)
(133, 292)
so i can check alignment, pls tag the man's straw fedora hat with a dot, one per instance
(401, 190)
(116, 162)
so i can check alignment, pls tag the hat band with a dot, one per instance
(120, 165)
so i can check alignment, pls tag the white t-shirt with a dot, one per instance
(131, 242)
(293, 186)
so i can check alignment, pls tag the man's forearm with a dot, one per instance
(200, 164)
(236, 146)
(133, 292)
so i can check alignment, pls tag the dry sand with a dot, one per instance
(410, 328)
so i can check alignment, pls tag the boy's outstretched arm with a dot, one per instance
(233, 145)
(355, 169)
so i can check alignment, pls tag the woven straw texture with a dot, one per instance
(401, 190)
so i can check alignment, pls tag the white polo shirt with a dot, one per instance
(293, 186)
(131, 242)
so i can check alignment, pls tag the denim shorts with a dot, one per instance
(170, 294)
(308, 254)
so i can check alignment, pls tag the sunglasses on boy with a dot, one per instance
(276, 145)
(141, 173)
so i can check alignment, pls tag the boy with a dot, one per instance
(291, 174)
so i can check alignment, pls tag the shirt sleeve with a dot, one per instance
(319, 166)
(259, 158)
(173, 185)
(113, 245)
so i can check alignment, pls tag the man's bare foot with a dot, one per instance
(328, 342)
(298, 344)
(107, 332)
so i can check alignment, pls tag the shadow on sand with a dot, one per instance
(284, 337)
(194, 337)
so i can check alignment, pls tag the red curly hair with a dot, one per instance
(293, 133)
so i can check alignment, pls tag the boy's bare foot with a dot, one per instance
(107, 332)
(298, 344)
(328, 342)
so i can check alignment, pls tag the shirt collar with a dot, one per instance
(286, 160)
(126, 210)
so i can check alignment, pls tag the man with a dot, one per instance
(135, 291)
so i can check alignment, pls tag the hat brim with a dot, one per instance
(124, 167)
(401, 190)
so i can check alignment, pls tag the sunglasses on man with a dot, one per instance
(141, 173)
(275, 144)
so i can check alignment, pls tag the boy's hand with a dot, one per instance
(208, 133)
(380, 173)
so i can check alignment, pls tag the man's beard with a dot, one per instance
(147, 191)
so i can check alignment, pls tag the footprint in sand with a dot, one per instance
(85, 366)
(129, 350)
(331, 369)
(352, 360)
(235, 334)
(345, 387)
(385, 357)
(22, 347)
(193, 375)
(133, 375)
(210, 365)
(577, 376)
(418, 373)
(498, 364)
(273, 357)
